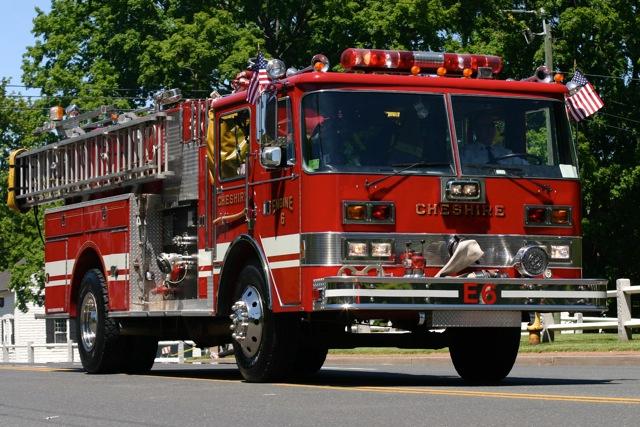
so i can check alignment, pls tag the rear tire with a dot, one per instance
(100, 345)
(264, 342)
(483, 355)
(141, 354)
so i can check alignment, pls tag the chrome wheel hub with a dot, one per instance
(247, 321)
(88, 321)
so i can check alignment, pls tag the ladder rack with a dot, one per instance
(127, 153)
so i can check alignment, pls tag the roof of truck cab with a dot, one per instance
(455, 84)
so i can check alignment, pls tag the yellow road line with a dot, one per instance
(389, 390)
(34, 368)
(441, 392)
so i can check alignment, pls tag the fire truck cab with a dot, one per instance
(412, 188)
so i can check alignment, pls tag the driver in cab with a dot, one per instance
(485, 145)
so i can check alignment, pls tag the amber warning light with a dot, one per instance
(398, 60)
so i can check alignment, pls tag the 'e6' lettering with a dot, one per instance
(487, 294)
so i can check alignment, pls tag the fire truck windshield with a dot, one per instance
(376, 132)
(513, 136)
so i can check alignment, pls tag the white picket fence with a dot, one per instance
(623, 323)
(40, 353)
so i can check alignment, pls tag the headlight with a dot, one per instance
(357, 249)
(560, 252)
(379, 249)
(469, 190)
(366, 250)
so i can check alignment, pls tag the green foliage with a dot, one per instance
(120, 51)
(20, 245)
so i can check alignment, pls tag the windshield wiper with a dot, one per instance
(514, 172)
(406, 167)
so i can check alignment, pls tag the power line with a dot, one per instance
(620, 117)
(602, 76)
(619, 128)
(105, 89)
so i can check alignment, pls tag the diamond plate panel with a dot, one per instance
(477, 319)
(183, 162)
(146, 244)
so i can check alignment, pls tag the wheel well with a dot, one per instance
(89, 259)
(241, 254)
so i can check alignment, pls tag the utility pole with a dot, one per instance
(548, 46)
(546, 32)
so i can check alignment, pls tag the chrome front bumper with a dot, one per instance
(459, 294)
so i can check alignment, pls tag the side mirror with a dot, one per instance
(267, 117)
(272, 152)
(272, 157)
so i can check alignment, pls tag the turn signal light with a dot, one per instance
(547, 216)
(368, 212)
(356, 212)
(560, 216)
(381, 212)
(537, 215)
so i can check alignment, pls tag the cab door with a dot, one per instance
(277, 200)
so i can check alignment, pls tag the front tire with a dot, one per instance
(99, 343)
(264, 342)
(483, 355)
(309, 360)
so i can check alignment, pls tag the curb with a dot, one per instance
(525, 359)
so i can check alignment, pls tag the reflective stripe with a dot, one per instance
(119, 278)
(51, 284)
(551, 294)
(284, 264)
(221, 251)
(59, 268)
(329, 293)
(281, 245)
(204, 258)
(119, 260)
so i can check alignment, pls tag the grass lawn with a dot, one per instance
(562, 343)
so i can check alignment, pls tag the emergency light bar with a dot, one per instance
(398, 60)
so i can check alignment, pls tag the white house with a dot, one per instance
(48, 338)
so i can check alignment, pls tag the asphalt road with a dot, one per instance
(345, 393)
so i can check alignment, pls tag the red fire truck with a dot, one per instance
(413, 188)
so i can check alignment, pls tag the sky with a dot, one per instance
(15, 33)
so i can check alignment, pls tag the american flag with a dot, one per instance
(259, 79)
(584, 101)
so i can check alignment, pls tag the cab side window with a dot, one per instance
(234, 136)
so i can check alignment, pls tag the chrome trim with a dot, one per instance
(42, 316)
(104, 200)
(163, 313)
(430, 293)
(327, 249)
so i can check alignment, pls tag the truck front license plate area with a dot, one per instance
(410, 293)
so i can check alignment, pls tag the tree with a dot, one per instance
(120, 51)
(20, 244)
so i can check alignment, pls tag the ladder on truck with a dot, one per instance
(130, 151)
